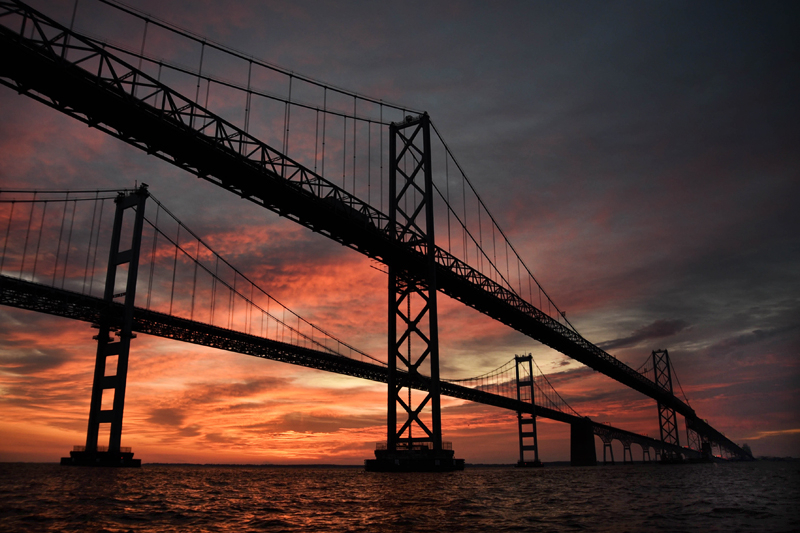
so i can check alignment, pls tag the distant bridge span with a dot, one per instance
(31, 296)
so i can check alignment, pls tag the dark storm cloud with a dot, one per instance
(33, 361)
(657, 330)
(764, 339)
(17, 356)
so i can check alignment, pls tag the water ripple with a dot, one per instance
(758, 496)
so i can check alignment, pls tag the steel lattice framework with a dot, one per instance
(667, 421)
(412, 293)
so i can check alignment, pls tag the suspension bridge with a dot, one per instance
(344, 160)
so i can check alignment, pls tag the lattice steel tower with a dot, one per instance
(667, 421)
(413, 336)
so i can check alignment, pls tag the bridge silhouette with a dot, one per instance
(143, 101)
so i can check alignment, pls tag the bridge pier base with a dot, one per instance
(581, 445)
(419, 457)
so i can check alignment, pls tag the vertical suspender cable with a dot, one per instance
(153, 256)
(381, 106)
(268, 317)
(464, 224)
(324, 120)
(27, 234)
(89, 248)
(71, 25)
(231, 301)
(199, 75)
(287, 117)
(494, 249)
(447, 188)
(194, 280)
(174, 268)
(214, 287)
(354, 144)
(60, 237)
(8, 231)
(316, 141)
(39, 241)
(508, 270)
(250, 307)
(96, 242)
(344, 151)
(249, 95)
(480, 238)
(530, 290)
(74, 12)
(69, 243)
(141, 56)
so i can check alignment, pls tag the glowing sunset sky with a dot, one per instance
(642, 157)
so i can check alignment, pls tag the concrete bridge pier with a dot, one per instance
(581, 444)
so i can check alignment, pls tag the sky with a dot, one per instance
(641, 156)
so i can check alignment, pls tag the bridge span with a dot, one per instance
(27, 295)
(99, 84)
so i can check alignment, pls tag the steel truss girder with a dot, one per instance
(128, 104)
(30, 296)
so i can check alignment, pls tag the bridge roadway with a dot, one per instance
(126, 103)
(31, 296)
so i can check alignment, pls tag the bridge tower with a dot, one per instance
(528, 441)
(667, 420)
(110, 379)
(413, 321)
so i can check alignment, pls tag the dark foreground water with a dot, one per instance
(760, 496)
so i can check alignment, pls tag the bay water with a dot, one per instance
(760, 496)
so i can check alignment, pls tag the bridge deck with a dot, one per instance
(170, 126)
(26, 295)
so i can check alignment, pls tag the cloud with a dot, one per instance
(167, 417)
(735, 345)
(656, 330)
(767, 434)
